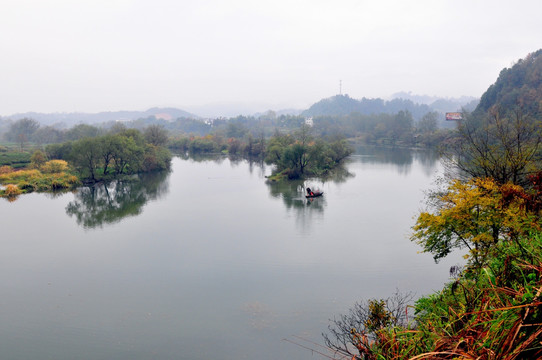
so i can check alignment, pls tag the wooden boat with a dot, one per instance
(314, 194)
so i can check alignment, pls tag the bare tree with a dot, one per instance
(503, 146)
(352, 334)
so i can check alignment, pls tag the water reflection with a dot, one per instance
(235, 161)
(403, 159)
(244, 266)
(199, 158)
(103, 204)
(292, 192)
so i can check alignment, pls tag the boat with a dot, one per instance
(314, 194)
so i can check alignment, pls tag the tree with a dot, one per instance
(428, 123)
(304, 135)
(156, 135)
(291, 153)
(22, 130)
(276, 146)
(155, 158)
(300, 155)
(477, 215)
(117, 128)
(59, 151)
(47, 135)
(502, 146)
(401, 126)
(107, 150)
(295, 158)
(127, 154)
(85, 155)
(82, 131)
(236, 129)
(37, 159)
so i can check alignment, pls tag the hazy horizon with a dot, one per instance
(223, 109)
(65, 56)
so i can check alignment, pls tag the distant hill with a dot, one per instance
(344, 105)
(519, 85)
(439, 104)
(70, 119)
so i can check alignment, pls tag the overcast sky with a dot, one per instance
(108, 55)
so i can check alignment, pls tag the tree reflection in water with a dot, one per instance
(307, 212)
(103, 204)
(292, 192)
(402, 159)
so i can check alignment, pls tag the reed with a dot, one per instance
(53, 176)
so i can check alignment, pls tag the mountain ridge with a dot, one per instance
(334, 105)
(69, 119)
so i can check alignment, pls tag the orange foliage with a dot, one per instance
(12, 190)
(5, 169)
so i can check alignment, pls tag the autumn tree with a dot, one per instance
(478, 214)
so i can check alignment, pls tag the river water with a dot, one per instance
(209, 261)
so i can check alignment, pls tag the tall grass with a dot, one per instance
(493, 312)
(53, 176)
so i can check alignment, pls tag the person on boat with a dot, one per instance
(310, 192)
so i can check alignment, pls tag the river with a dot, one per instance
(209, 261)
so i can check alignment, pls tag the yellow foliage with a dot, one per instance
(55, 166)
(5, 169)
(19, 174)
(34, 180)
(474, 215)
(12, 190)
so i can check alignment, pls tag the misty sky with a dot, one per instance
(108, 55)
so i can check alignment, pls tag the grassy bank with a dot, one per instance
(54, 175)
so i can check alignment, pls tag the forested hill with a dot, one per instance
(345, 105)
(519, 85)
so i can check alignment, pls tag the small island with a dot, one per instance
(300, 155)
